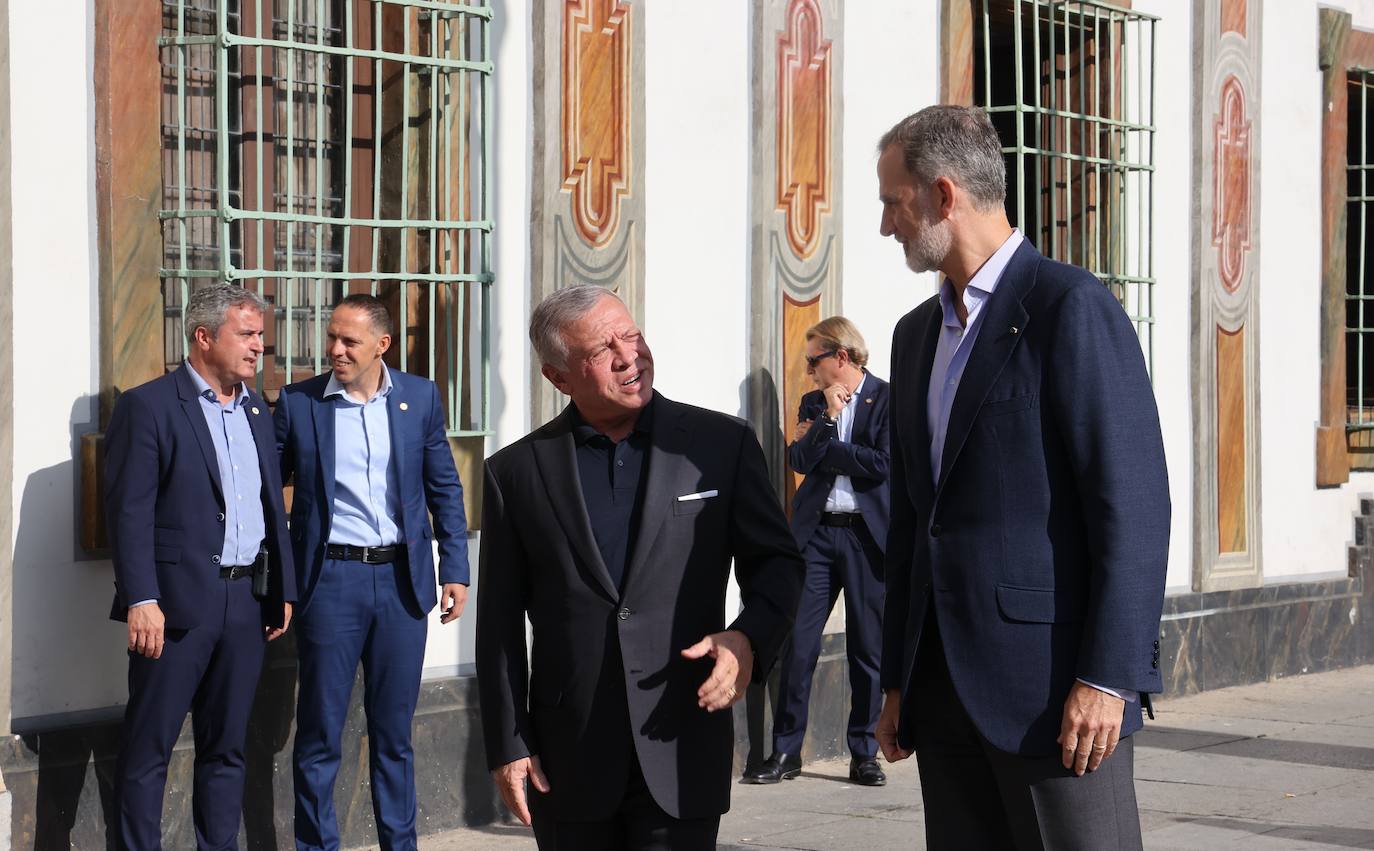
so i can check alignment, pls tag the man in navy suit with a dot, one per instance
(367, 447)
(839, 518)
(193, 504)
(1030, 516)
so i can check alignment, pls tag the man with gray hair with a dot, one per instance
(1030, 516)
(613, 527)
(203, 571)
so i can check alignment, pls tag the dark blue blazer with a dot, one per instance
(164, 505)
(820, 456)
(424, 468)
(1043, 546)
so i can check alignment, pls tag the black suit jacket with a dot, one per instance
(821, 456)
(1043, 545)
(606, 682)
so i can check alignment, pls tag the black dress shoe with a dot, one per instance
(779, 766)
(866, 772)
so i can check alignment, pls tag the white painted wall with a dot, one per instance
(67, 654)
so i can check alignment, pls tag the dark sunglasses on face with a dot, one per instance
(811, 362)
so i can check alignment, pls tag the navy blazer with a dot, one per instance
(164, 505)
(1043, 545)
(821, 456)
(423, 462)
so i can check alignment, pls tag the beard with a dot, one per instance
(928, 250)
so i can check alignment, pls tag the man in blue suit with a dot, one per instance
(839, 518)
(371, 462)
(1030, 516)
(193, 504)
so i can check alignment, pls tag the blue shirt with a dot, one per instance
(240, 477)
(842, 498)
(956, 341)
(367, 498)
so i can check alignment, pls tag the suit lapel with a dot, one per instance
(924, 355)
(397, 407)
(667, 451)
(264, 438)
(1003, 325)
(323, 411)
(190, 405)
(863, 408)
(557, 462)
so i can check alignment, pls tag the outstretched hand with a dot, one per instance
(734, 657)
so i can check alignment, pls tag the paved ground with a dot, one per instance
(1281, 765)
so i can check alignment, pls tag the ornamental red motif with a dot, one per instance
(1231, 185)
(803, 169)
(596, 114)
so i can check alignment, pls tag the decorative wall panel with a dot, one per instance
(795, 163)
(1225, 294)
(587, 210)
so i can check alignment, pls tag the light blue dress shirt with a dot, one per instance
(841, 498)
(240, 477)
(366, 493)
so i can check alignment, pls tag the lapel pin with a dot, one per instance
(404, 406)
(868, 401)
(1015, 330)
(254, 409)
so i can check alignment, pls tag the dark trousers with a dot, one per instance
(358, 613)
(837, 559)
(639, 824)
(211, 670)
(977, 796)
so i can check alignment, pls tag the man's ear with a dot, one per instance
(203, 338)
(944, 190)
(556, 378)
(383, 343)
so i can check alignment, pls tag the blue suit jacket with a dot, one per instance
(1043, 545)
(423, 462)
(164, 505)
(820, 456)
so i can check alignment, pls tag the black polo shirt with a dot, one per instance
(612, 478)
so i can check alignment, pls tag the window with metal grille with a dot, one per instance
(1359, 288)
(317, 148)
(1070, 88)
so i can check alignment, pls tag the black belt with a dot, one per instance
(366, 555)
(841, 518)
(242, 571)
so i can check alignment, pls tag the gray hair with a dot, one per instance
(209, 306)
(556, 312)
(957, 142)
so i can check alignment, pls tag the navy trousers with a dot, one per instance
(358, 613)
(211, 670)
(847, 559)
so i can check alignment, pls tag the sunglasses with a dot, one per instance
(811, 362)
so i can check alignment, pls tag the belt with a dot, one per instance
(366, 555)
(242, 571)
(841, 518)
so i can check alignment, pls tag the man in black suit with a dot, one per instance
(839, 518)
(1030, 516)
(193, 503)
(612, 528)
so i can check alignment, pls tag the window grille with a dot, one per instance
(1359, 289)
(1070, 87)
(317, 148)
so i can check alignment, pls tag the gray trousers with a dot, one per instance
(977, 796)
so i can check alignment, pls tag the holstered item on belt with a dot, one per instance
(262, 575)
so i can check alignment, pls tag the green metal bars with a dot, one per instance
(1359, 290)
(1069, 84)
(317, 148)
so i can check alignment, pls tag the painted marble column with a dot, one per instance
(795, 227)
(587, 211)
(1225, 294)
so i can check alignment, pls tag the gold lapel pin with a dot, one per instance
(868, 401)
(254, 410)
(404, 406)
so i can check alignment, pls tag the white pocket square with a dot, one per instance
(688, 497)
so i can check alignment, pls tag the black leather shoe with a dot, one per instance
(779, 766)
(866, 772)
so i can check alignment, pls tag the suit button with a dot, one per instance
(214, 559)
(1154, 663)
(220, 517)
(623, 614)
(935, 530)
(1156, 645)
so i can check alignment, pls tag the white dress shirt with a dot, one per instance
(841, 498)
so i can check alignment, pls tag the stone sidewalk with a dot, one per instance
(1287, 764)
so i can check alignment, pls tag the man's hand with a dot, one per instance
(887, 727)
(800, 431)
(1090, 729)
(510, 782)
(272, 632)
(734, 657)
(836, 397)
(145, 630)
(452, 597)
